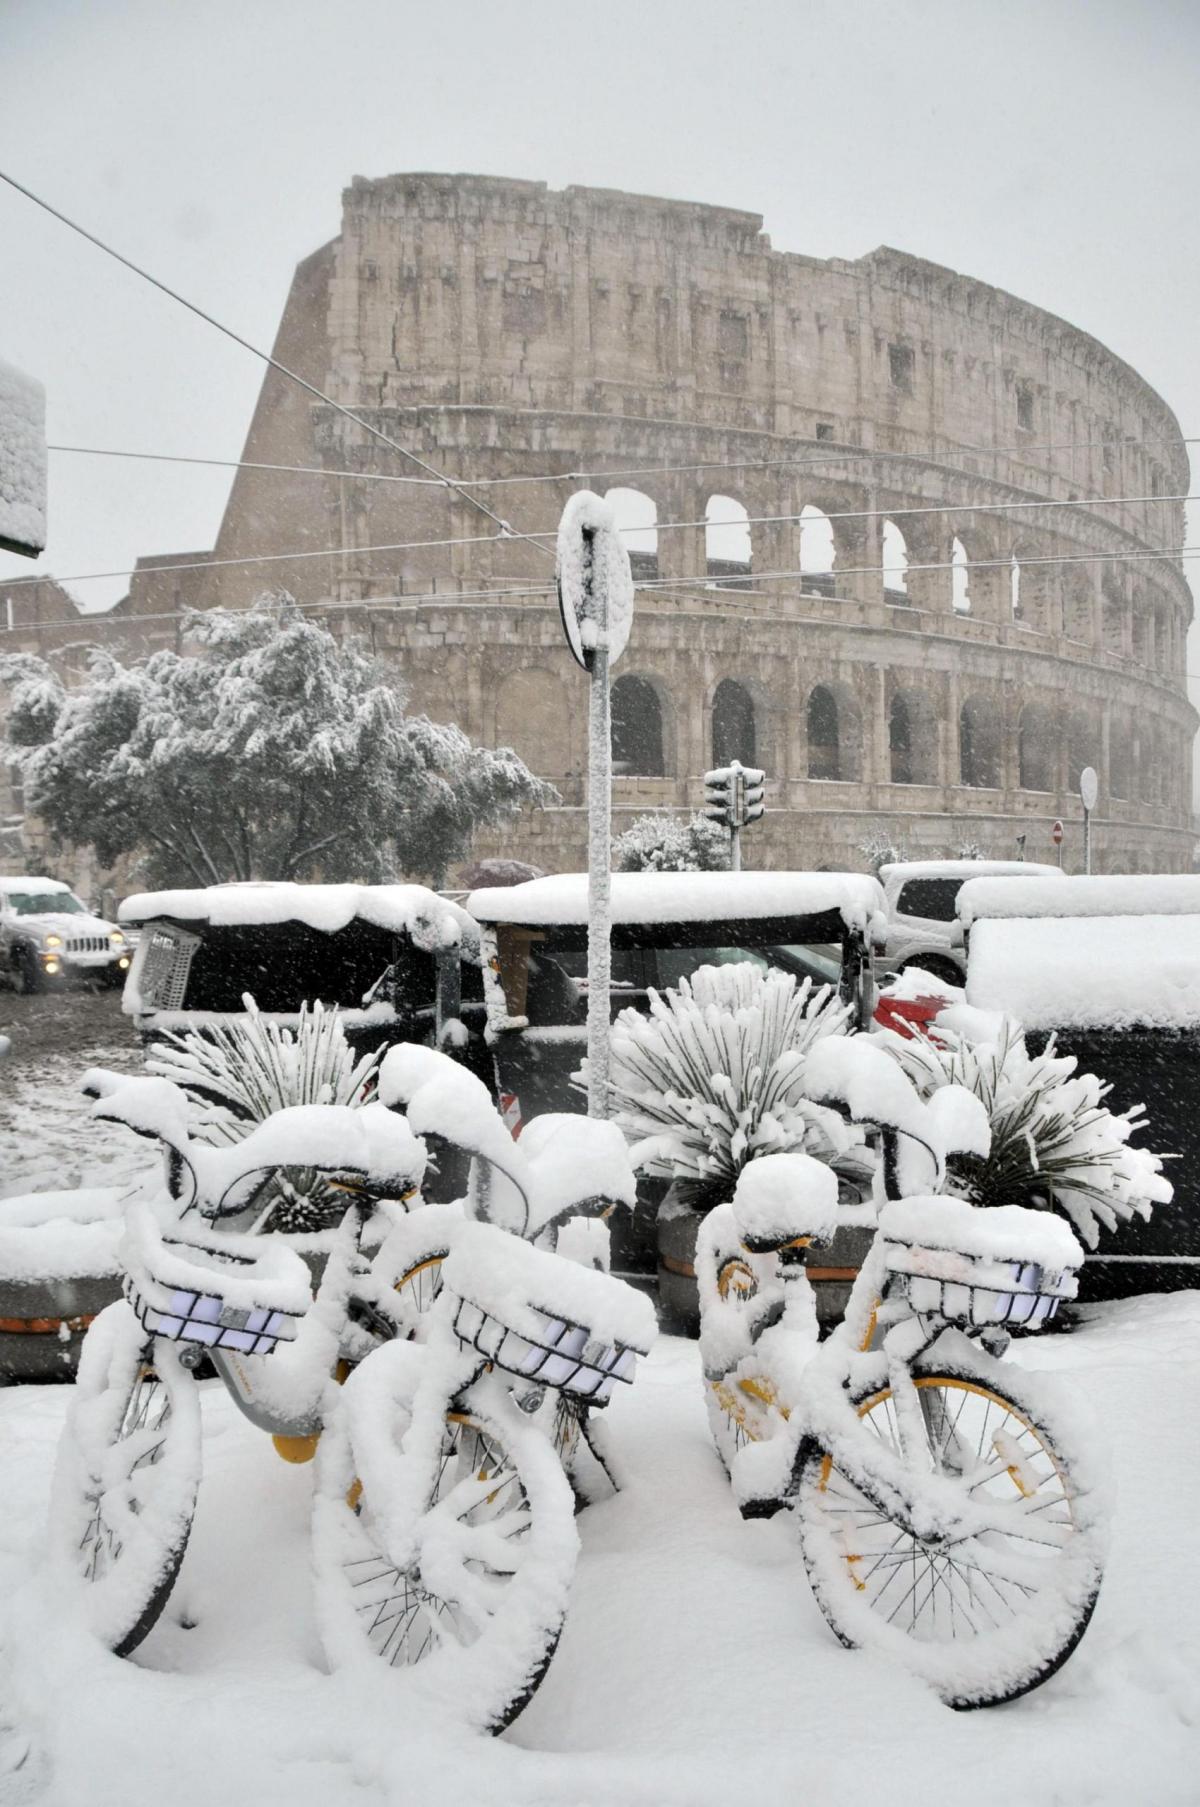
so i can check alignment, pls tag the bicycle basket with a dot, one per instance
(226, 1292)
(543, 1318)
(1006, 1265)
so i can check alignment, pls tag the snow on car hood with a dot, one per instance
(67, 923)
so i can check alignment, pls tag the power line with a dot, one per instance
(656, 470)
(293, 376)
(518, 589)
(849, 514)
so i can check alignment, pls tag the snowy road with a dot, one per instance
(695, 1670)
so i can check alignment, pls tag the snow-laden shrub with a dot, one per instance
(236, 1074)
(1055, 1144)
(661, 842)
(880, 847)
(714, 1076)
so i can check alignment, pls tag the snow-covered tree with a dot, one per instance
(714, 1076)
(661, 842)
(270, 751)
(1055, 1144)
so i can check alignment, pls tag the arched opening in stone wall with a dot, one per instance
(637, 729)
(895, 562)
(979, 740)
(534, 718)
(960, 578)
(1113, 615)
(912, 739)
(727, 548)
(734, 734)
(637, 523)
(824, 750)
(818, 551)
(1139, 627)
(1037, 749)
(1083, 748)
(1120, 759)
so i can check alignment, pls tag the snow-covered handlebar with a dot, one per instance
(371, 1146)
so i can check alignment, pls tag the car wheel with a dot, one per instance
(939, 966)
(27, 974)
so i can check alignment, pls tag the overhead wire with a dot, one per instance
(293, 376)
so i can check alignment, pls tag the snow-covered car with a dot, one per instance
(921, 923)
(48, 937)
(1109, 968)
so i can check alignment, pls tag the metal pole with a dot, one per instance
(735, 850)
(599, 878)
(1087, 838)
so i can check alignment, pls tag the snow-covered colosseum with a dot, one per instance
(905, 540)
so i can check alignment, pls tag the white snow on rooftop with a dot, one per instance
(1098, 972)
(22, 462)
(685, 897)
(432, 921)
(1159, 894)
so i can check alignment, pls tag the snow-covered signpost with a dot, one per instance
(595, 598)
(22, 463)
(1089, 790)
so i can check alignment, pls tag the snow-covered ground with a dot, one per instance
(694, 1668)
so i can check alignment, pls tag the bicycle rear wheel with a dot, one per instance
(984, 1619)
(471, 1623)
(126, 1476)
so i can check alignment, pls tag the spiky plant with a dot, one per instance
(1055, 1144)
(714, 1076)
(238, 1073)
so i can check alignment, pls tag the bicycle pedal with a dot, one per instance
(761, 1508)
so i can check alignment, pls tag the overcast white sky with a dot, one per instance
(1045, 146)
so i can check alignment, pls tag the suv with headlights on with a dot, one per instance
(48, 937)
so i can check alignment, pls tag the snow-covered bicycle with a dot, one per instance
(944, 1506)
(447, 1485)
(130, 1457)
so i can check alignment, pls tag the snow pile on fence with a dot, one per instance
(1100, 972)
(432, 921)
(22, 462)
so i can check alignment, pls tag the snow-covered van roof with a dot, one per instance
(1089, 972)
(431, 920)
(30, 881)
(657, 897)
(967, 869)
(1160, 894)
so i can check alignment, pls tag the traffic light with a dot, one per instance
(719, 790)
(752, 794)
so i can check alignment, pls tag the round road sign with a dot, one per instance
(1089, 787)
(1056, 834)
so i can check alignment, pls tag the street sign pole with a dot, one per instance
(736, 815)
(595, 599)
(1089, 790)
(1056, 835)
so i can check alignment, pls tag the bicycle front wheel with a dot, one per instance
(126, 1476)
(988, 1617)
(471, 1622)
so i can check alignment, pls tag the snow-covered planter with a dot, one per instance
(714, 1076)
(1007, 1266)
(241, 1071)
(58, 1270)
(1054, 1143)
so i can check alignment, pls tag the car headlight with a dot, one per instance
(116, 937)
(52, 941)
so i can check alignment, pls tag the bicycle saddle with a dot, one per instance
(785, 1198)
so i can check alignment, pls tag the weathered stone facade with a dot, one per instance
(501, 330)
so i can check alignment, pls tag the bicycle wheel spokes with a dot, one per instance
(1007, 1599)
(477, 1524)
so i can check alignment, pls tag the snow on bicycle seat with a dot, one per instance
(785, 1198)
(227, 1292)
(1003, 1264)
(544, 1318)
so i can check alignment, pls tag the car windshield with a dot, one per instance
(45, 903)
